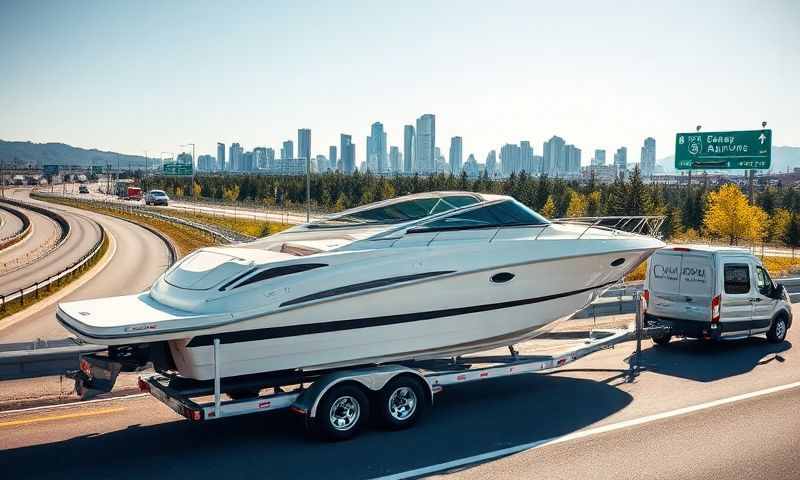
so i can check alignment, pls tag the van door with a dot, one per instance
(736, 310)
(697, 286)
(663, 282)
(763, 303)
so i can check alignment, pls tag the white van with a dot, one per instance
(713, 293)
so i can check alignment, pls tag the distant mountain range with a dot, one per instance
(38, 154)
(782, 158)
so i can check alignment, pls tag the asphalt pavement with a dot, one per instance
(639, 434)
(139, 257)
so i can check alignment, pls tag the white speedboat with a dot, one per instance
(411, 278)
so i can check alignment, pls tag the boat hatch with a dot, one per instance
(205, 269)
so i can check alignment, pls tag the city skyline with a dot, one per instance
(150, 88)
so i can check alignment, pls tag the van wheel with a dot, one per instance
(661, 339)
(341, 413)
(777, 332)
(402, 401)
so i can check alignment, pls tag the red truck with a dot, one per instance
(134, 193)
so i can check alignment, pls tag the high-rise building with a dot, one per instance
(491, 163)
(220, 156)
(304, 143)
(205, 163)
(573, 160)
(425, 154)
(287, 152)
(510, 159)
(332, 158)
(538, 160)
(259, 158)
(394, 159)
(456, 147)
(320, 164)
(526, 156)
(234, 157)
(554, 159)
(408, 149)
(471, 167)
(248, 162)
(621, 161)
(347, 153)
(376, 149)
(269, 158)
(647, 162)
(599, 158)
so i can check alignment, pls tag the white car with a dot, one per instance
(713, 293)
(156, 197)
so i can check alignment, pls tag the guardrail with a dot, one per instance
(57, 278)
(15, 237)
(141, 210)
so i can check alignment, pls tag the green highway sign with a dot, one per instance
(97, 169)
(742, 150)
(180, 169)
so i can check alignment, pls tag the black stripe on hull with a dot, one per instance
(357, 323)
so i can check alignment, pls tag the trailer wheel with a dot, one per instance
(777, 331)
(661, 338)
(341, 413)
(402, 402)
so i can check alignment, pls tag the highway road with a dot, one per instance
(34, 258)
(10, 224)
(698, 411)
(139, 257)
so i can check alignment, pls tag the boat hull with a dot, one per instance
(449, 315)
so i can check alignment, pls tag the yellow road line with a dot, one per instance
(47, 418)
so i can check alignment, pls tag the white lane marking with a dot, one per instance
(5, 413)
(582, 434)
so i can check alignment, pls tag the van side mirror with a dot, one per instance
(777, 291)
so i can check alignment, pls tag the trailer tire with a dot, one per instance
(402, 402)
(777, 331)
(661, 339)
(341, 413)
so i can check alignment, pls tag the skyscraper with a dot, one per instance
(287, 152)
(425, 157)
(647, 162)
(220, 156)
(455, 155)
(234, 157)
(599, 158)
(491, 163)
(621, 161)
(509, 159)
(554, 159)
(304, 143)
(376, 149)
(526, 156)
(332, 158)
(408, 149)
(573, 160)
(259, 158)
(347, 153)
(394, 159)
(269, 158)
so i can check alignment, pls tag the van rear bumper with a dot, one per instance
(695, 329)
(684, 328)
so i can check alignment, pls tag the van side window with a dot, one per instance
(737, 278)
(763, 281)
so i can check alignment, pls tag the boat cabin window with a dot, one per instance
(399, 212)
(505, 213)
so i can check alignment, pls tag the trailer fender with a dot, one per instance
(373, 379)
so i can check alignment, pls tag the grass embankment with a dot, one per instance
(246, 226)
(16, 305)
(185, 239)
(776, 266)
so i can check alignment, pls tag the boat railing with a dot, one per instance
(648, 225)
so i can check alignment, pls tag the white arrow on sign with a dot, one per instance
(762, 137)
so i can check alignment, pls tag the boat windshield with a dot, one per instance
(412, 209)
(500, 214)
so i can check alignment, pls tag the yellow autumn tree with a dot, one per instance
(730, 215)
(197, 191)
(231, 194)
(778, 223)
(578, 204)
(549, 209)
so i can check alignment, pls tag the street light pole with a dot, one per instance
(308, 190)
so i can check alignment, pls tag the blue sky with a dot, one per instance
(136, 76)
